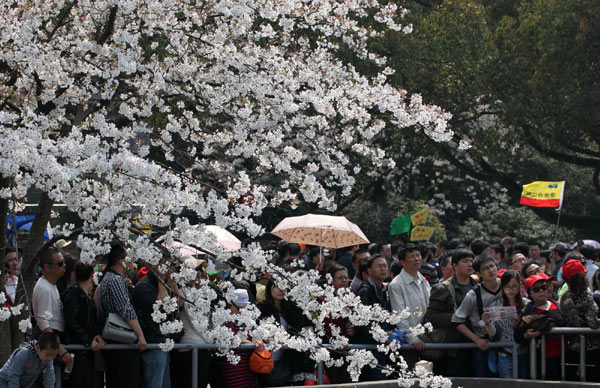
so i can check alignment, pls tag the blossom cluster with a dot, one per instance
(218, 110)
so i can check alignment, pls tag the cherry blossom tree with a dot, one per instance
(214, 110)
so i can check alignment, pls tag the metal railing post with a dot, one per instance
(515, 361)
(58, 376)
(532, 359)
(195, 367)
(320, 373)
(543, 358)
(562, 357)
(582, 357)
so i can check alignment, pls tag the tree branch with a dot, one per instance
(467, 169)
(596, 181)
(38, 227)
(582, 150)
(60, 19)
(4, 183)
(579, 161)
(108, 27)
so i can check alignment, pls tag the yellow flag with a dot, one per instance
(543, 194)
(419, 217)
(420, 233)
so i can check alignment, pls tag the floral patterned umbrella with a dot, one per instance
(320, 230)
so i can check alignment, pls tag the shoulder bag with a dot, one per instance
(118, 330)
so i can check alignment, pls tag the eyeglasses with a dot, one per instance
(381, 266)
(59, 263)
(543, 287)
(488, 268)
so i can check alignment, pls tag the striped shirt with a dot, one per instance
(114, 298)
(238, 375)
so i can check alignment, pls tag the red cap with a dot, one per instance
(142, 272)
(571, 268)
(501, 272)
(530, 281)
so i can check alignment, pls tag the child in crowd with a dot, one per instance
(31, 360)
(238, 375)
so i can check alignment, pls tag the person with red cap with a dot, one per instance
(579, 310)
(537, 289)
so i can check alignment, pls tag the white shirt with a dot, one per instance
(11, 287)
(47, 307)
(190, 334)
(413, 294)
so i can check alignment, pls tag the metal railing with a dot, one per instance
(582, 332)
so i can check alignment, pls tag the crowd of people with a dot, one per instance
(469, 291)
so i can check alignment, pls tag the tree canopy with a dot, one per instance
(199, 111)
(520, 79)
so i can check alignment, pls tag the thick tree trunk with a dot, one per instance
(35, 242)
(10, 335)
(5, 332)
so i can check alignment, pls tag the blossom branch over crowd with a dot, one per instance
(217, 109)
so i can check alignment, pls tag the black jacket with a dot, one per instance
(146, 292)
(555, 316)
(80, 316)
(369, 296)
(292, 315)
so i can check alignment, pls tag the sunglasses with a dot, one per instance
(58, 263)
(543, 287)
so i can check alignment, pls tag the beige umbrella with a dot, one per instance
(222, 238)
(320, 230)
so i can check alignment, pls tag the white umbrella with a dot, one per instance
(182, 249)
(224, 238)
(320, 230)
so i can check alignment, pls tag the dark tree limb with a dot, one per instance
(463, 166)
(36, 240)
(580, 150)
(596, 181)
(4, 183)
(357, 194)
(577, 160)
(61, 19)
(109, 27)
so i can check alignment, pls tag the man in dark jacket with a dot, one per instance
(442, 304)
(373, 292)
(155, 363)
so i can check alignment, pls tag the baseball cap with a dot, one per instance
(561, 248)
(530, 281)
(241, 297)
(572, 267)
